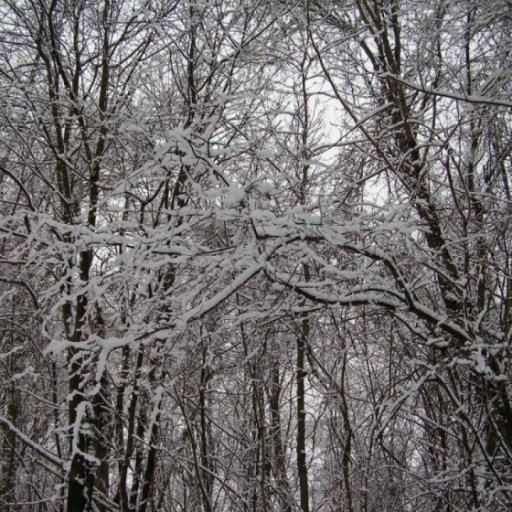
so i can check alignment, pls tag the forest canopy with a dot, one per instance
(254, 255)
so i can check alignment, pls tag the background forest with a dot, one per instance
(255, 255)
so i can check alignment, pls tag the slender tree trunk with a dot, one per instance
(151, 461)
(8, 454)
(279, 456)
(301, 374)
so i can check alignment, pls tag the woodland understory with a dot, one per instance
(254, 255)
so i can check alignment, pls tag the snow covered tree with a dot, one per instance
(255, 255)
